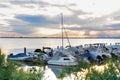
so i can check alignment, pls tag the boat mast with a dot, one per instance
(62, 29)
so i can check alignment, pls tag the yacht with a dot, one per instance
(61, 56)
(63, 61)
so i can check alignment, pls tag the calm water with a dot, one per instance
(30, 43)
(51, 42)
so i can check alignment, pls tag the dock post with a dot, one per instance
(25, 50)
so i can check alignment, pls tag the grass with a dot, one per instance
(110, 70)
(9, 71)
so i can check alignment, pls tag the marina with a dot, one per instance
(54, 54)
(60, 40)
(69, 56)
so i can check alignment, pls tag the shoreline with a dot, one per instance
(67, 37)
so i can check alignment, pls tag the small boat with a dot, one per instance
(62, 58)
(19, 56)
(91, 57)
(99, 49)
(24, 56)
(63, 61)
(115, 52)
(115, 49)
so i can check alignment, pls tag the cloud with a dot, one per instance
(91, 18)
(36, 20)
(3, 6)
(6, 29)
(32, 22)
(10, 34)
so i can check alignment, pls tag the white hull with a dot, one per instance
(63, 61)
(19, 58)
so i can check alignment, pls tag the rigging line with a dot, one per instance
(67, 37)
(62, 29)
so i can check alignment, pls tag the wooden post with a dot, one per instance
(25, 50)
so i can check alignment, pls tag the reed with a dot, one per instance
(9, 71)
(111, 70)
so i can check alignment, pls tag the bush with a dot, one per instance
(111, 70)
(9, 71)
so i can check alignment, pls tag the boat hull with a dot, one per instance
(63, 64)
(19, 58)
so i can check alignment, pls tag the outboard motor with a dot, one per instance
(100, 59)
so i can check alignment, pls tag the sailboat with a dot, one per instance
(61, 56)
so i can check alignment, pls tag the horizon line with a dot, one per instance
(64, 37)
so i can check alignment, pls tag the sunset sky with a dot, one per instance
(41, 18)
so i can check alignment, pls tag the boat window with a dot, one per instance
(66, 59)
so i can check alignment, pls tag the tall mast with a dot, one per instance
(62, 29)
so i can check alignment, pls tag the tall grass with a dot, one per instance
(111, 70)
(9, 71)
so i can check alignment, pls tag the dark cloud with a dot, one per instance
(19, 2)
(3, 6)
(33, 21)
(88, 25)
(96, 28)
(97, 23)
(114, 26)
(30, 22)
(36, 20)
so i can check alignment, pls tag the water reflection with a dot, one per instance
(50, 72)
(56, 69)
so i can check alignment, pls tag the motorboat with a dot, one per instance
(63, 58)
(24, 56)
(116, 45)
(99, 49)
(19, 57)
(115, 52)
(63, 61)
(115, 49)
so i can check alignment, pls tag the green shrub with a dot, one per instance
(110, 72)
(9, 71)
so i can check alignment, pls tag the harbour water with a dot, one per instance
(16, 45)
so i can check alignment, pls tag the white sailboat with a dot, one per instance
(61, 56)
